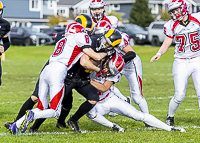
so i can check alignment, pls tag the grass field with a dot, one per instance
(21, 70)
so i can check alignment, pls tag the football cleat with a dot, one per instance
(74, 125)
(170, 121)
(8, 124)
(112, 114)
(128, 99)
(13, 129)
(61, 125)
(29, 117)
(117, 128)
(178, 129)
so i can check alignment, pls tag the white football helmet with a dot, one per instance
(74, 28)
(174, 4)
(97, 4)
(115, 64)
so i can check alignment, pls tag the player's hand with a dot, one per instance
(157, 57)
(1, 49)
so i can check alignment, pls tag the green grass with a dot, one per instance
(21, 71)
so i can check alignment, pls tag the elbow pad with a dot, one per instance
(6, 43)
(129, 56)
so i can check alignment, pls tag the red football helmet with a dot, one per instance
(115, 64)
(74, 28)
(97, 4)
(174, 4)
(101, 26)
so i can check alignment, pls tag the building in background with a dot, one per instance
(36, 12)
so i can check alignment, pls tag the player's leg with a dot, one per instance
(96, 114)
(66, 107)
(90, 93)
(130, 111)
(181, 75)
(135, 83)
(195, 76)
(120, 95)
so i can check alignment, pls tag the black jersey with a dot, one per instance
(4, 27)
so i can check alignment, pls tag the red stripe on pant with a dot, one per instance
(54, 101)
(140, 81)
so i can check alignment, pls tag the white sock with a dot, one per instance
(118, 93)
(153, 121)
(173, 106)
(19, 122)
(143, 106)
(47, 113)
(102, 120)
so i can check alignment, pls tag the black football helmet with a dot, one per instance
(1, 9)
(109, 40)
(86, 21)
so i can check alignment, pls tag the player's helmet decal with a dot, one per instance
(1, 9)
(86, 21)
(174, 4)
(101, 26)
(74, 28)
(115, 64)
(97, 4)
(110, 39)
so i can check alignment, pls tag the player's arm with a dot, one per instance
(88, 64)
(91, 53)
(130, 53)
(101, 87)
(163, 49)
(6, 44)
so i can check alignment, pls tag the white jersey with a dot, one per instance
(113, 20)
(187, 37)
(68, 50)
(115, 79)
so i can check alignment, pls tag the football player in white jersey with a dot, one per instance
(184, 28)
(97, 10)
(108, 101)
(132, 70)
(51, 81)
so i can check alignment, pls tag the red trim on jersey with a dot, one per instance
(193, 19)
(104, 97)
(76, 51)
(106, 19)
(175, 24)
(140, 81)
(56, 99)
(39, 105)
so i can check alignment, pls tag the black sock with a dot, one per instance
(26, 106)
(64, 113)
(83, 109)
(37, 123)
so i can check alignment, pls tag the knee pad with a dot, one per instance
(178, 98)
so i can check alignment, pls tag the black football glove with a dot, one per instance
(83, 82)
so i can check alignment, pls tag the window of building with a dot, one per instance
(115, 7)
(51, 4)
(61, 11)
(34, 5)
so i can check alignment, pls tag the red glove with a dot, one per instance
(100, 73)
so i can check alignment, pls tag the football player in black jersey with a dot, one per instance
(4, 40)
